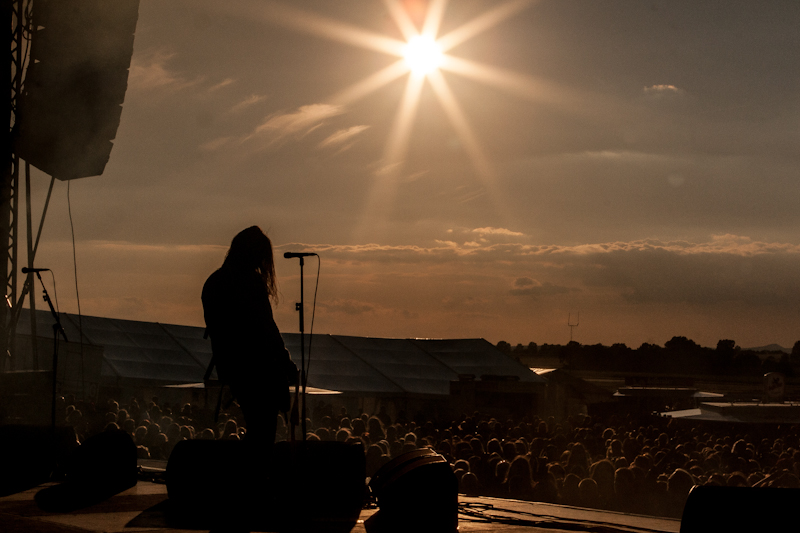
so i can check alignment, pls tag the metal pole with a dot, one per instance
(34, 350)
(302, 354)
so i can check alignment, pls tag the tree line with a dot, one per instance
(679, 355)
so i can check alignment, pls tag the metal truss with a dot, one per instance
(9, 188)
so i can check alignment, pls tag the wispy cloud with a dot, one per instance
(343, 136)
(224, 83)
(132, 247)
(731, 245)
(248, 102)
(305, 119)
(301, 122)
(497, 231)
(665, 94)
(663, 89)
(151, 72)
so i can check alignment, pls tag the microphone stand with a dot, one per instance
(57, 328)
(299, 307)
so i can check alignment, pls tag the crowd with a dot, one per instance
(621, 464)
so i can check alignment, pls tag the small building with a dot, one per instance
(568, 395)
(772, 409)
(647, 394)
(740, 413)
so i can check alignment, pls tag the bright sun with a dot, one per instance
(425, 55)
(422, 54)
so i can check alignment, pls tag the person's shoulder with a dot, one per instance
(215, 276)
(213, 281)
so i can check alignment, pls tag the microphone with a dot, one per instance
(289, 255)
(25, 270)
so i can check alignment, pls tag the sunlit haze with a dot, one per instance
(463, 169)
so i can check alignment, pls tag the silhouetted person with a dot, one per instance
(248, 349)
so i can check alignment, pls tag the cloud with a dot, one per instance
(138, 248)
(386, 170)
(666, 95)
(150, 73)
(532, 288)
(306, 119)
(342, 136)
(224, 83)
(463, 195)
(726, 268)
(458, 289)
(727, 245)
(278, 126)
(247, 102)
(661, 90)
(497, 231)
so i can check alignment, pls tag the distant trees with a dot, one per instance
(519, 350)
(679, 355)
(678, 344)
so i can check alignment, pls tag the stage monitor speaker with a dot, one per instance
(415, 491)
(303, 486)
(711, 508)
(31, 454)
(99, 468)
(70, 107)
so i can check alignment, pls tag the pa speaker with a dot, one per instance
(711, 508)
(303, 486)
(417, 490)
(74, 87)
(101, 467)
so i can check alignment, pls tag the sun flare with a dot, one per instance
(423, 54)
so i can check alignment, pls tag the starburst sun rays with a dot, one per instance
(422, 57)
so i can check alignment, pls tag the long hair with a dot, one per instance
(251, 249)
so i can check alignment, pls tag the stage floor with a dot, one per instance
(141, 509)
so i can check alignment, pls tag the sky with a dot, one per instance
(632, 167)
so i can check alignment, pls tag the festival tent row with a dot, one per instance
(123, 357)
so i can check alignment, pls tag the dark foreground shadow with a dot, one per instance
(31, 454)
(102, 467)
(69, 497)
(166, 515)
(711, 508)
